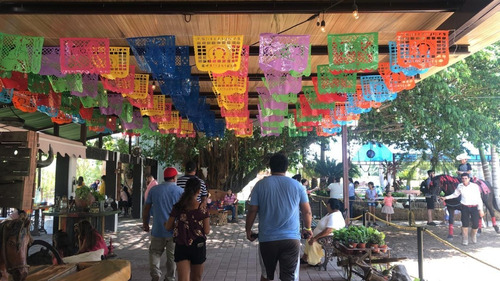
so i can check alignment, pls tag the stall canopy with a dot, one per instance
(373, 152)
(61, 146)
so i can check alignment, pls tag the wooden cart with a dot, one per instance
(367, 263)
(112, 270)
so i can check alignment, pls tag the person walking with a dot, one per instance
(430, 199)
(472, 207)
(336, 189)
(150, 181)
(190, 223)
(279, 224)
(161, 200)
(190, 172)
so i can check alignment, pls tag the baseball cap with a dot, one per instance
(170, 172)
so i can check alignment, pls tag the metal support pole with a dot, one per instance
(420, 248)
(364, 217)
(409, 211)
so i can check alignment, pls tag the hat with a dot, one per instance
(170, 172)
(463, 156)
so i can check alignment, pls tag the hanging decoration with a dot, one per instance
(374, 89)
(90, 84)
(101, 99)
(422, 49)
(158, 107)
(69, 82)
(393, 61)
(17, 81)
(283, 53)
(330, 83)
(121, 85)
(154, 54)
(395, 82)
(84, 55)
(136, 122)
(39, 84)
(20, 53)
(24, 101)
(146, 102)
(141, 87)
(218, 54)
(119, 63)
(354, 52)
(51, 62)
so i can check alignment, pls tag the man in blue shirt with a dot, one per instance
(278, 200)
(161, 199)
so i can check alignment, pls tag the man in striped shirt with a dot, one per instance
(190, 172)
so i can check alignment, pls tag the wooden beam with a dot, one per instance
(224, 7)
(467, 18)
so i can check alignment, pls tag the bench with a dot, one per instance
(217, 195)
(218, 217)
(327, 243)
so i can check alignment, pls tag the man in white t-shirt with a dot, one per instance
(336, 189)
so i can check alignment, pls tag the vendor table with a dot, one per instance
(39, 219)
(68, 219)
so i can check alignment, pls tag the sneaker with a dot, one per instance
(432, 223)
(368, 224)
(375, 224)
(465, 242)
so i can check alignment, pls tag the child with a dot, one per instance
(191, 224)
(388, 210)
(371, 195)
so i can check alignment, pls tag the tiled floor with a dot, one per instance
(230, 256)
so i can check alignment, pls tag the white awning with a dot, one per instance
(61, 146)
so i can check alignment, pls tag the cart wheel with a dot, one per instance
(344, 264)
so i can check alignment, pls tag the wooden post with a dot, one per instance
(345, 163)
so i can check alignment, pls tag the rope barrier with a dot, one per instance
(393, 224)
(458, 249)
(446, 243)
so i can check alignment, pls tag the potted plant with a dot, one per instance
(376, 238)
(84, 197)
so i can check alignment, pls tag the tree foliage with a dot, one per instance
(455, 105)
(231, 162)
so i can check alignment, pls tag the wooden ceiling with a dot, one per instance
(474, 24)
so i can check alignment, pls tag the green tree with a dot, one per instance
(231, 162)
(455, 105)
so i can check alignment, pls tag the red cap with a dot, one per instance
(170, 172)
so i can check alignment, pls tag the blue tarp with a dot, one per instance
(381, 153)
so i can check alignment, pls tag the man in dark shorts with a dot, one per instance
(430, 198)
(279, 224)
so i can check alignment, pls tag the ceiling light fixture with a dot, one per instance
(355, 13)
(323, 26)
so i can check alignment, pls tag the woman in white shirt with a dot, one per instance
(332, 221)
(472, 207)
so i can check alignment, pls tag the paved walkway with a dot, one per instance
(230, 256)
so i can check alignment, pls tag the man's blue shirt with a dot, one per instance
(278, 199)
(163, 197)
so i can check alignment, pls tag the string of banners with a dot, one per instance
(85, 80)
